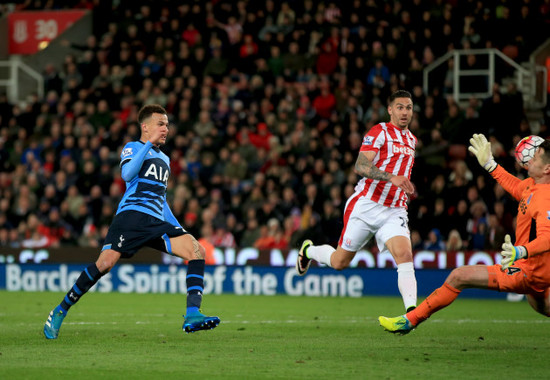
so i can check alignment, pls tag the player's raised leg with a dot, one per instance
(88, 278)
(471, 276)
(187, 247)
(403, 324)
(338, 258)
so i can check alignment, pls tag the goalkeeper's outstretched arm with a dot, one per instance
(481, 148)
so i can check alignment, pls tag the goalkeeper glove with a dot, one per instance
(481, 148)
(511, 253)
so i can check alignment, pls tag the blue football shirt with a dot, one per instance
(146, 191)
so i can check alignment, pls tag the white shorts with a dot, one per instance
(364, 219)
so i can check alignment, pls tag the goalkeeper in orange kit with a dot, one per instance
(525, 265)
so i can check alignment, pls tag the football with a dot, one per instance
(526, 148)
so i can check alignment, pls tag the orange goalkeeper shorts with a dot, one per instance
(514, 279)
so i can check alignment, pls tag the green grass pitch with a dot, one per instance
(138, 336)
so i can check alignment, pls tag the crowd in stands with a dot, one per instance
(269, 102)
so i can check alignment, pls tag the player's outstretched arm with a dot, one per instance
(511, 253)
(481, 148)
(131, 168)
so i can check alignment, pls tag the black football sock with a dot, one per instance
(195, 285)
(87, 279)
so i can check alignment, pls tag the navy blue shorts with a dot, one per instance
(132, 230)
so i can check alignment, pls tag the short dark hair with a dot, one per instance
(147, 110)
(399, 94)
(546, 146)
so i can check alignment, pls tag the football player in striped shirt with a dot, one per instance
(378, 207)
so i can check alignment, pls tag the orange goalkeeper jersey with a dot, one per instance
(533, 223)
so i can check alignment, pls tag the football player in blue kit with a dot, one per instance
(143, 218)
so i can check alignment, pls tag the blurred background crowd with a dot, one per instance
(269, 102)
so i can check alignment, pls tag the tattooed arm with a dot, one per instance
(364, 167)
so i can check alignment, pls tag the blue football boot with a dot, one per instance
(197, 321)
(53, 324)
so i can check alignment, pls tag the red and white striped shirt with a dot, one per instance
(394, 149)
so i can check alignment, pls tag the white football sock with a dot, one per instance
(321, 253)
(406, 282)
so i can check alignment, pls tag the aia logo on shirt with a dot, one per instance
(402, 149)
(157, 173)
(368, 140)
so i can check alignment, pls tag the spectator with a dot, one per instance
(286, 15)
(494, 234)
(32, 237)
(248, 53)
(236, 168)
(434, 241)
(379, 75)
(55, 229)
(477, 225)
(251, 234)
(52, 80)
(451, 128)
(416, 241)
(293, 61)
(327, 59)
(217, 66)
(454, 241)
(223, 238)
(271, 236)
(325, 102)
